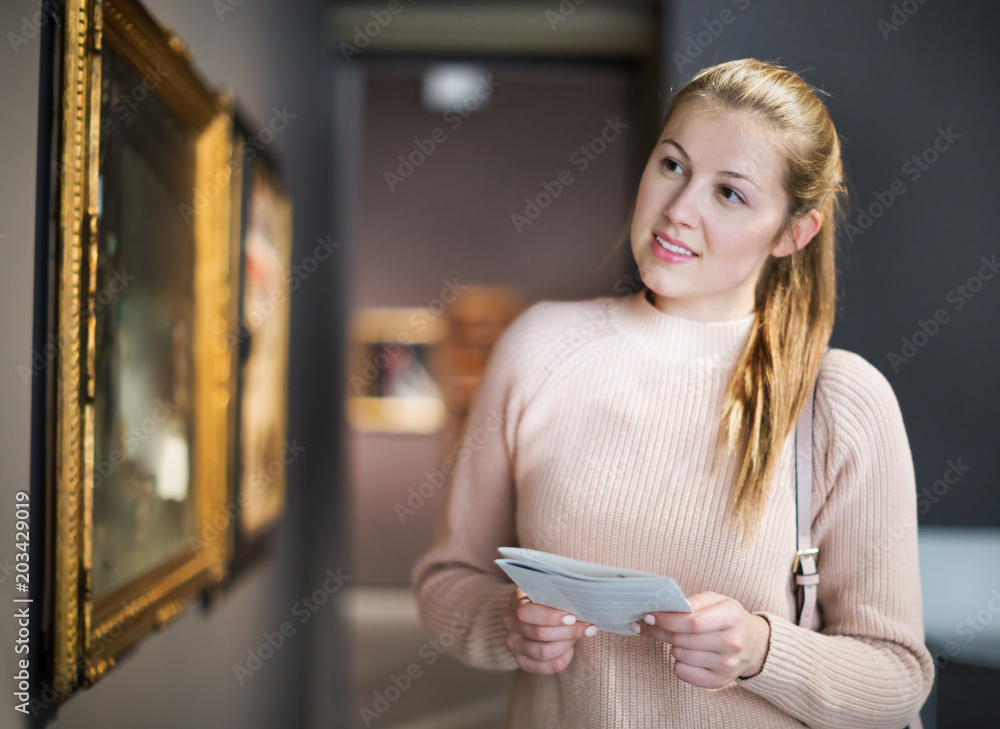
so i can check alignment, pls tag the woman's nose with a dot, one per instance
(682, 206)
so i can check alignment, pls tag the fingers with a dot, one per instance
(539, 650)
(544, 623)
(556, 665)
(548, 633)
(697, 676)
(704, 659)
(717, 617)
(531, 612)
(538, 637)
(728, 641)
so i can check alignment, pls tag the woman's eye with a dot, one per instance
(726, 191)
(670, 164)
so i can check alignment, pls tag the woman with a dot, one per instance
(655, 432)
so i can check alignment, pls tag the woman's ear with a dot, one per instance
(803, 230)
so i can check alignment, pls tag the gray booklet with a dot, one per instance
(609, 597)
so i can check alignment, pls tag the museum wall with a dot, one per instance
(275, 57)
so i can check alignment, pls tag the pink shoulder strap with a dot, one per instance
(806, 555)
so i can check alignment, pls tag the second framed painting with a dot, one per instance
(261, 261)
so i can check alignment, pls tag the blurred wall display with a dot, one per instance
(395, 371)
(140, 382)
(262, 245)
(475, 320)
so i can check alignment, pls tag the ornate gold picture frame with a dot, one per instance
(142, 382)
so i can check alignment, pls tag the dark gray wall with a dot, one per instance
(890, 93)
(274, 56)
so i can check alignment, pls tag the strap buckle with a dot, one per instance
(799, 553)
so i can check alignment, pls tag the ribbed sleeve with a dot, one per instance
(457, 580)
(868, 667)
(590, 436)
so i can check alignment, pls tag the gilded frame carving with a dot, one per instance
(87, 635)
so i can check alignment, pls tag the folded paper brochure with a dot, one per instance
(609, 597)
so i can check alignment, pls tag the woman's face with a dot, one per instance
(713, 186)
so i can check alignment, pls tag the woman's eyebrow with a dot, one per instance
(725, 173)
(671, 140)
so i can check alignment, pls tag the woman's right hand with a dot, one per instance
(538, 636)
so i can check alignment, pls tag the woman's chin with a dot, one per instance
(659, 283)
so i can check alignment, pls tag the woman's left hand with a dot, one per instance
(713, 645)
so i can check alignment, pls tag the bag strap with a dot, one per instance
(806, 555)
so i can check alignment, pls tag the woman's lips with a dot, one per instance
(669, 256)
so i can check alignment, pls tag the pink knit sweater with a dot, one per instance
(590, 436)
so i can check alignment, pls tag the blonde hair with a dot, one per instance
(795, 299)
